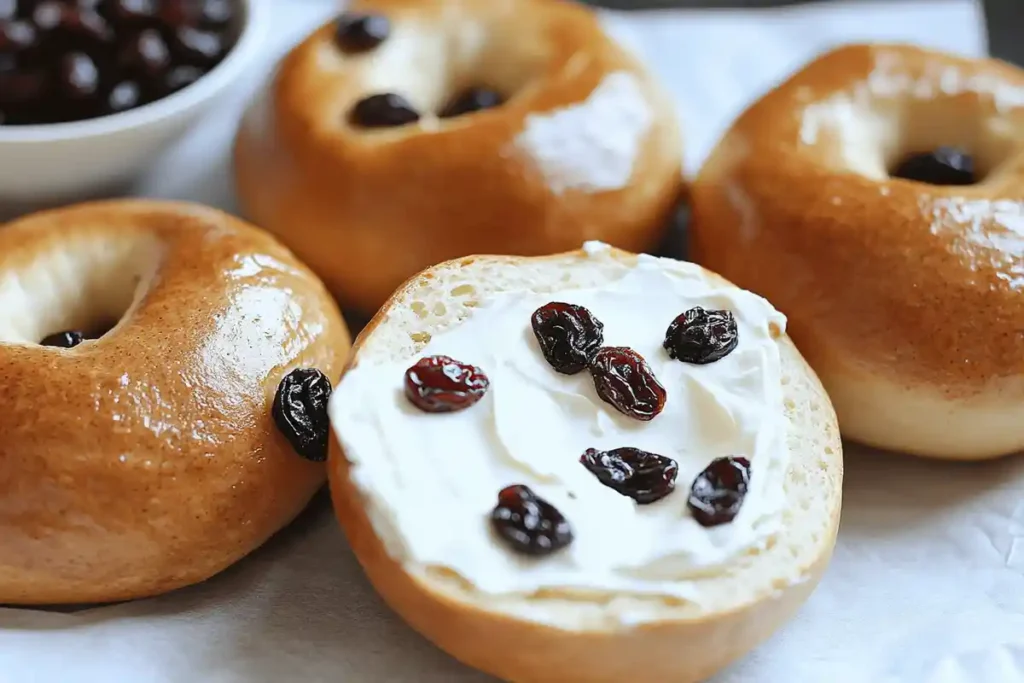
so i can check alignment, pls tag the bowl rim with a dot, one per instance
(254, 28)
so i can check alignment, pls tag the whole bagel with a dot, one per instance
(584, 144)
(147, 459)
(905, 296)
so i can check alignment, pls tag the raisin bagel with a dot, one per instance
(144, 458)
(483, 506)
(413, 131)
(877, 198)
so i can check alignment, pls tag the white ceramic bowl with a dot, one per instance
(62, 162)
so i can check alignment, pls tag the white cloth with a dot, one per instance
(926, 585)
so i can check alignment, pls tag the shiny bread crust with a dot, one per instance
(148, 459)
(904, 297)
(368, 208)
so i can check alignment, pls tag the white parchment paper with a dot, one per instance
(926, 585)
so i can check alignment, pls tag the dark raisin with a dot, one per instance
(644, 477)
(72, 21)
(569, 335)
(300, 412)
(701, 336)
(19, 87)
(64, 340)
(383, 111)
(528, 523)
(146, 54)
(216, 12)
(131, 12)
(175, 13)
(180, 77)
(125, 95)
(718, 492)
(361, 32)
(941, 166)
(208, 13)
(202, 48)
(623, 379)
(79, 77)
(470, 101)
(16, 36)
(439, 384)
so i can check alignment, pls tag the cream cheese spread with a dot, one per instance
(430, 481)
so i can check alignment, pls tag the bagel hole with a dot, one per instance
(961, 123)
(85, 285)
(432, 69)
(872, 133)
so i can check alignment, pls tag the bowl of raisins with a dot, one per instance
(92, 90)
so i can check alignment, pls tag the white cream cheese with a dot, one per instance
(430, 481)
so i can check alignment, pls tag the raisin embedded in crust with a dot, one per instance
(68, 339)
(941, 166)
(384, 110)
(356, 32)
(300, 412)
(472, 100)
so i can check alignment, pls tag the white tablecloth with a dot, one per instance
(926, 585)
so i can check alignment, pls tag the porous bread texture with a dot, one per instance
(599, 637)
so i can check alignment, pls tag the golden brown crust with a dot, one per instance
(682, 646)
(882, 276)
(366, 209)
(148, 459)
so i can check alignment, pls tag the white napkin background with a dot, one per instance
(926, 585)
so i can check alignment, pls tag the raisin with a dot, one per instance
(474, 99)
(701, 336)
(623, 379)
(79, 77)
(383, 111)
(123, 96)
(180, 77)
(17, 35)
(439, 384)
(528, 523)
(361, 32)
(64, 340)
(146, 53)
(129, 11)
(644, 477)
(199, 48)
(300, 412)
(941, 166)
(718, 492)
(569, 336)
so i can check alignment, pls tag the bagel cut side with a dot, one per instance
(904, 296)
(147, 457)
(585, 145)
(605, 637)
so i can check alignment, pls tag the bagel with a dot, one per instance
(667, 599)
(846, 197)
(582, 143)
(146, 458)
